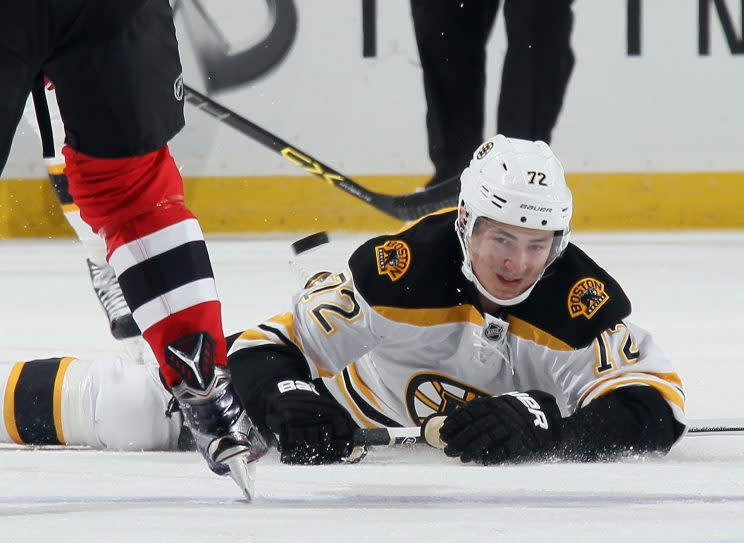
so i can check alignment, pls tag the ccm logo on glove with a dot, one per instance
(286, 386)
(533, 407)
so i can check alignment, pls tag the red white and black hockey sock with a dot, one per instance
(155, 245)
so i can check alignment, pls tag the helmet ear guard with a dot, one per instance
(518, 183)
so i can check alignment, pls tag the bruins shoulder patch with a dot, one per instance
(586, 297)
(393, 258)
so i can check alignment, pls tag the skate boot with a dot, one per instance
(112, 300)
(223, 433)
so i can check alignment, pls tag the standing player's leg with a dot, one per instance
(128, 188)
(16, 77)
(102, 275)
(451, 36)
(537, 67)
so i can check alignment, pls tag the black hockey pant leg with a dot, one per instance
(451, 36)
(16, 79)
(537, 67)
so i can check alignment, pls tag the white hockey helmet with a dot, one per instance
(519, 183)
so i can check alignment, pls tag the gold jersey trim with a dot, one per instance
(287, 320)
(9, 403)
(357, 380)
(667, 391)
(57, 400)
(431, 316)
(253, 334)
(411, 225)
(671, 377)
(351, 403)
(525, 330)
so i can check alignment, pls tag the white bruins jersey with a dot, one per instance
(398, 335)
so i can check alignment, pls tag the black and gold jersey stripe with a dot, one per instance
(351, 381)
(356, 397)
(32, 405)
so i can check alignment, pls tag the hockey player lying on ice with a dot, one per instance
(451, 315)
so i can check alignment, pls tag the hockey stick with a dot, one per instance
(406, 207)
(411, 435)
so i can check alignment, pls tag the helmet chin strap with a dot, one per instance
(467, 271)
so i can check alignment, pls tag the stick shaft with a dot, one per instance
(404, 207)
(709, 427)
(412, 434)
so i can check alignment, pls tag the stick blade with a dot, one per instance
(410, 207)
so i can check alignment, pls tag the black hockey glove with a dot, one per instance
(513, 427)
(312, 429)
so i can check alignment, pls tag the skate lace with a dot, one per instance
(108, 290)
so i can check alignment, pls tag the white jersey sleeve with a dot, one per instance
(330, 323)
(624, 355)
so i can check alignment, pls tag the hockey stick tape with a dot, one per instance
(431, 431)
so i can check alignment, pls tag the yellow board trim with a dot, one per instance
(9, 403)
(70, 208)
(431, 316)
(56, 169)
(525, 330)
(57, 399)
(602, 201)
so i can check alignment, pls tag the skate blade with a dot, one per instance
(241, 461)
(243, 472)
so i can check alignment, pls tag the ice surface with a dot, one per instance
(686, 288)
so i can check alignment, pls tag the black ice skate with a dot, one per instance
(224, 434)
(112, 300)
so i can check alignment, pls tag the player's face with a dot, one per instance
(507, 260)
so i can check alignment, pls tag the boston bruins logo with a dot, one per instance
(393, 258)
(586, 297)
(435, 394)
